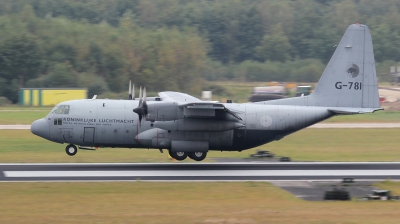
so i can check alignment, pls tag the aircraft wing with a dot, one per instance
(178, 97)
(203, 107)
(194, 107)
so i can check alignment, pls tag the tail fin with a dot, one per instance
(350, 80)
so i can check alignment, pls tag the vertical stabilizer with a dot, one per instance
(350, 79)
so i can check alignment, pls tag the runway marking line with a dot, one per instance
(202, 173)
(201, 163)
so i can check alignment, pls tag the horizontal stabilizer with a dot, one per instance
(352, 110)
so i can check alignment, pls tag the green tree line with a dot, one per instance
(175, 44)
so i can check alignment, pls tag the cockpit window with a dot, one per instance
(66, 109)
(59, 110)
(62, 109)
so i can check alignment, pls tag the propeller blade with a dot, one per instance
(130, 91)
(133, 91)
(140, 97)
(144, 94)
(140, 121)
(144, 104)
(140, 93)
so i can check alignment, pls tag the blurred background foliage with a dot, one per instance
(179, 44)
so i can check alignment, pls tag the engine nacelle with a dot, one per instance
(197, 125)
(163, 111)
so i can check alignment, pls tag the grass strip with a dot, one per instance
(144, 202)
(21, 116)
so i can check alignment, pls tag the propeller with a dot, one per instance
(141, 110)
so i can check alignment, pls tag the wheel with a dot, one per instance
(178, 155)
(71, 150)
(198, 156)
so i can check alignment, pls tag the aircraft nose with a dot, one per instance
(40, 128)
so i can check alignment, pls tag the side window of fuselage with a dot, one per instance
(57, 121)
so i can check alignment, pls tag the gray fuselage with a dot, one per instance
(112, 123)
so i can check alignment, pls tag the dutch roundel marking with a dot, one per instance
(265, 121)
(353, 70)
(348, 85)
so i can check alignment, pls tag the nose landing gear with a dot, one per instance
(71, 150)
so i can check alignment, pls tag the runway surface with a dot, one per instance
(320, 125)
(15, 127)
(290, 171)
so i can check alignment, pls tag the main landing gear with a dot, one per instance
(71, 150)
(198, 156)
(178, 155)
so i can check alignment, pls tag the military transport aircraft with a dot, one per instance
(189, 127)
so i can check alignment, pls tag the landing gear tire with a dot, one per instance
(178, 155)
(198, 156)
(71, 150)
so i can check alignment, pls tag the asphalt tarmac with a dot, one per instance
(288, 171)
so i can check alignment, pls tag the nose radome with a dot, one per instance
(40, 128)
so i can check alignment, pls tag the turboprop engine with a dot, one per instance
(163, 111)
(195, 116)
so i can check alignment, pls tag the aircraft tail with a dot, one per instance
(350, 79)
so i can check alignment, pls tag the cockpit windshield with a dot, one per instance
(60, 109)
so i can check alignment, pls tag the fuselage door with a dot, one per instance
(88, 135)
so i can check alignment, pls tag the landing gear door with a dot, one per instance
(88, 135)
